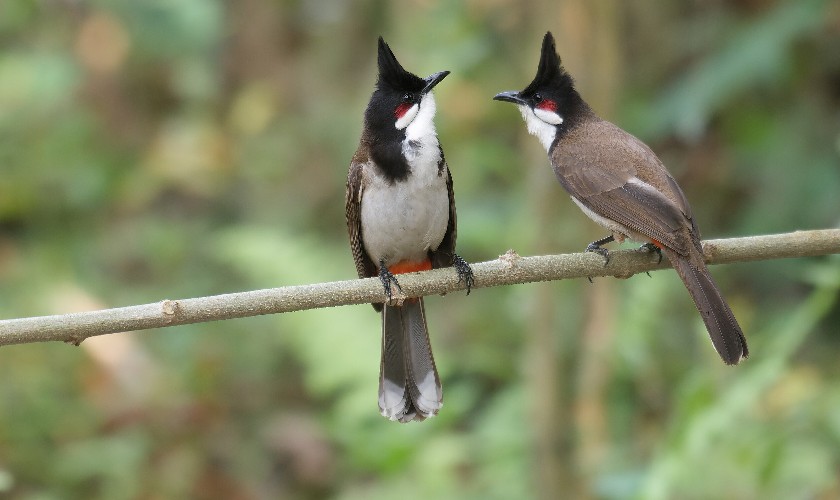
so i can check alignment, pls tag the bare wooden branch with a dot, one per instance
(508, 269)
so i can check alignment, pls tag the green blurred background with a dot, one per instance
(159, 149)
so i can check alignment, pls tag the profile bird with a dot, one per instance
(400, 211)
(621, 184)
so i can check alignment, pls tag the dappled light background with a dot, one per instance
(153, 150)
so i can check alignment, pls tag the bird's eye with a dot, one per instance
(537, 97)
(408, 97)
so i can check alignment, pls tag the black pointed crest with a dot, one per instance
(392, 74)
(550, 72)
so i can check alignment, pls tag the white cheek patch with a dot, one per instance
(423, 122)
(408, 117)
(548, 116)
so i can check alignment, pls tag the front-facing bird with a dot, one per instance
(620, 183)
(400, 211)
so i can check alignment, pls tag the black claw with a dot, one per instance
(465, 273)
(387, 278)
(650, 247)
(603, 252)
(596, 247)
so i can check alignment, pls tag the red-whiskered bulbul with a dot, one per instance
(620, 183)
(400, 211)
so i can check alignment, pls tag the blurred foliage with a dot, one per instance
(157, 149)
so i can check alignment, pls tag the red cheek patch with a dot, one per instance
(402, 109)
(547, 105)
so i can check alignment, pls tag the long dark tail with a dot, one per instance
(409, 386)
(724, 330)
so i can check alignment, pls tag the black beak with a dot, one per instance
(509, 96)
(433, 80)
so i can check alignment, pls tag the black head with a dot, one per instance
(396, 100)
(391, 73)
(551, 96)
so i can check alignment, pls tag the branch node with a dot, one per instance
(509, 258)
(74, 339)
(169, 308)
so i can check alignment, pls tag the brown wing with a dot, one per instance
(619, 178)
(353, 212)
(445, 253)
(645, 211)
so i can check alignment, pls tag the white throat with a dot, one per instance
(538, 126)
(420, 146)
(419, 120)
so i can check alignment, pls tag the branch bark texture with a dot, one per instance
(508, 269)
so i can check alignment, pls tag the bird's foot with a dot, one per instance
(464, 270)
(596, 247)
(387, 279)
(652, 248)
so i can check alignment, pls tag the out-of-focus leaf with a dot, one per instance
(714, 437)
(760, 54)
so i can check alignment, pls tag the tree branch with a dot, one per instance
(508, 269)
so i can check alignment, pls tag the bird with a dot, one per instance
(400, 210)
(620, 183)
